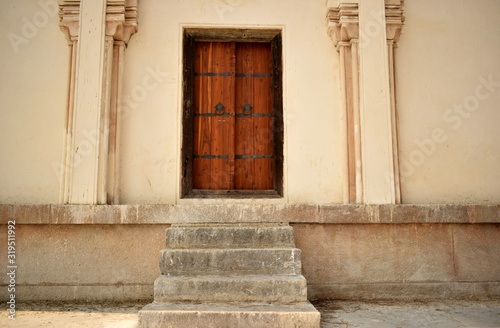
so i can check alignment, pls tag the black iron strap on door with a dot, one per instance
(212, 156)
(253, 115)
(252, 156)
(210, 115)
(236, 156)
(227, 114)
(212, 74)
(220, 111)
(253, 74)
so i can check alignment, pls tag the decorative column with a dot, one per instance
(371, 170)
(394, 19)
(90, 172)
(343, 27)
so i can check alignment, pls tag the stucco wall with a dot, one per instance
(34, 61)
(447, 49)
(448, 116)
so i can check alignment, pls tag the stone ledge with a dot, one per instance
(237, 213)
(405, 291)
(355, 291)
(182, 315)
(80, 293)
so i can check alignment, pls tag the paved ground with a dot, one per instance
(334, 314)
(447, 314)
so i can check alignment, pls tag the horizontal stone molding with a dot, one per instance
(237, 213)
(422, 291)
(359, 291)
(84, 293)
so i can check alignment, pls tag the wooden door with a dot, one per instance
(233, 117)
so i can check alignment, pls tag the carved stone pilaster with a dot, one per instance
(394, 23)
(120, 25)
(344, 29)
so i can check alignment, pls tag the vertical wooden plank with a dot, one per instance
(277, 105)
(202, 125)
(216, 135)
(188, 85)
(244, 171)
(231, 118)
(263, 106)
(221, 125)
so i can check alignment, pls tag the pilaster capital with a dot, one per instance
(394, 19)
(121, 19)
(69, 18)
(343, 22)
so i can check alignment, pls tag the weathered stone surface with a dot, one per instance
(85, 255)
(256, 213)
(375, 253)
(116, 214)
(238, 288)
(25, 214)
(158, 315)
(229, 236)
(77, 261)
(82, 293)
(405, 291)
(477, 252)
(74, 214)
(230, 261)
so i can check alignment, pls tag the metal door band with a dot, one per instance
(236, 156)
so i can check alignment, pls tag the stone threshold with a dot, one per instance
(157, 315)
(236, 213)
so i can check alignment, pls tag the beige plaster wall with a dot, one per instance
(448, 116)
(447, 49)
(33, 92)
(150, 163)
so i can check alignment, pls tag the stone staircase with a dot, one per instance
(230, 275)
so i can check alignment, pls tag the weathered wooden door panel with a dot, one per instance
(213, 103)
(233, 138)
(254, 137)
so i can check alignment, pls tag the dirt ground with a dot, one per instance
(334, 314)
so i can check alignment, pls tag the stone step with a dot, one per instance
(236, 288)
(230, 261)
(182, 315)
(230, 236)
